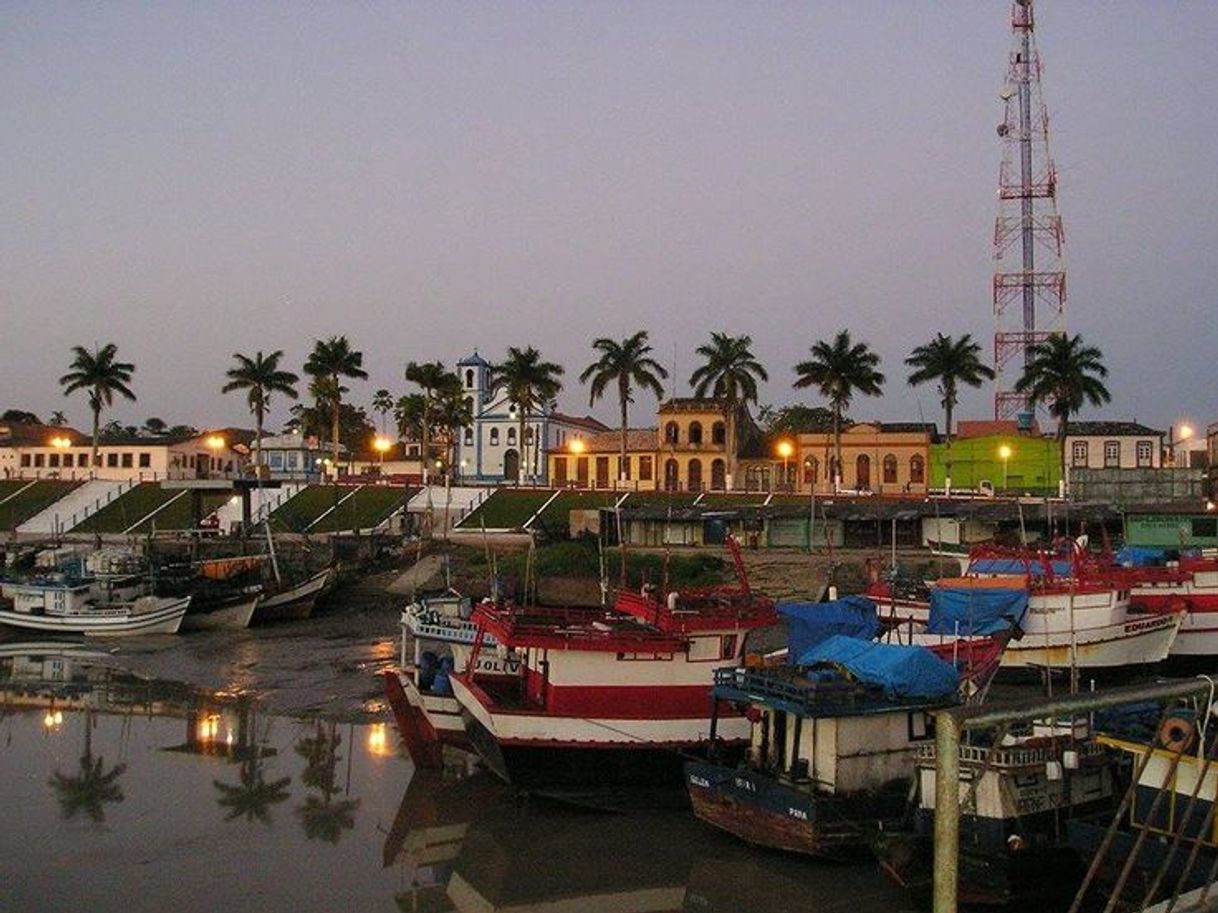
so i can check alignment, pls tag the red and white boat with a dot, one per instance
(1189, 586)
(1078, 615)
(611, 700)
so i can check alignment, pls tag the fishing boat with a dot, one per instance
(1077, 615)
(607, 700)
(1164, 841)
(1188, 585)
(293, 603)
(437, 638)
(75, 608)
(834, 730)
(1017, 794)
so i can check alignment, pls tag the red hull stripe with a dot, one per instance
(625, 745)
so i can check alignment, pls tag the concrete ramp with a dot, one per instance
(75, 507)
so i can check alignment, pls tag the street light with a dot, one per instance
(380, 444)
(1004, 453)
(811, 503)
(577, 445)
(784, 449)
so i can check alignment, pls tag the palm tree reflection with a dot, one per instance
(92, 787)
(321, 816)
(253, 796)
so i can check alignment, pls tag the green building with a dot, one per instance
(1032, 464)
(1184, 529)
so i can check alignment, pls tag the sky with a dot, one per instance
(193, 180)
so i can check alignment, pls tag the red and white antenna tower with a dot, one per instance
(1029, 275)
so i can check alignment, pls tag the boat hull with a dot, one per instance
(164, 618)
(234, 615)
(760, 810)
(294, 604)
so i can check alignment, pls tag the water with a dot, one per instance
(127, 794)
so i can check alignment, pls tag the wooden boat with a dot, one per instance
(74, 609)
(607, 702)
(834, 731)
(1017, 797)
(230, 612)
(294, 603)
(1190, 586)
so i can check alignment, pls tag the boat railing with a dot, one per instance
(815, 698)
(1013, 756)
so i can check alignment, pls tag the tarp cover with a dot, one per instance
(904, 672)
(1140, 556)
(972, 611)
(1018, 567)
(809, 623)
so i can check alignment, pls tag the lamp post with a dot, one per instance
(1004, 454)
(811, 505)
(784, 449)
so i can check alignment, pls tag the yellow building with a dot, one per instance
(594, 461)
(879, 457)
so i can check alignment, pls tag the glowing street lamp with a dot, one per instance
(1004, 454)
(784, 449)
(577, 445)
(380, 444)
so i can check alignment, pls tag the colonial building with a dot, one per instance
(702, 444)
(595, 461)
(58, 452)
(1112, 445)
(295, 456)
(878, 457)
(489, 451)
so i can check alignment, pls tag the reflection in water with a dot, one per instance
(92, 787)
(321, 816)
(252, 797)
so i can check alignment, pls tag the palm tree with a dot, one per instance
(1064, 374)
(730, 375)
(154, 427)
(623, 363)
(253, 797)
(90, 789)
(102, 375)
(429, 376)
(330, 360)
(451, 412)
(951, 362)
(530, 384)
(261, 376)
(839, 369)
(382, 404)
(57, 419)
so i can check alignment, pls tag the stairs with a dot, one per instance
(72, 509)
(263, 501)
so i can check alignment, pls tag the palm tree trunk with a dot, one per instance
(337, 407)
(426, 433)
(623, 394)
(837, 447)
(522, 460)
(96, 435)
(1061, 446)
(731, 442)
(258, 420)
(947, 424)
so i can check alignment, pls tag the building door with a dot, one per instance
(602, 472)
(511, 465)
(695, 475)
(862, 472)
(718, 475)
(671, 478)
(714, 532)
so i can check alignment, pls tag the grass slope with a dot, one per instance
(33, 500)
(128, 508)
(506, 508)
(366, 508)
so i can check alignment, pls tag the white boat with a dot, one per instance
(74, 609)
(294, 603)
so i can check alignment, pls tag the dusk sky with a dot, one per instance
(192, 180)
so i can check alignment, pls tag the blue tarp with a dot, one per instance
(809, 623)
(904, 672)
(969, 611)
(1018, 568)
(1140, 556)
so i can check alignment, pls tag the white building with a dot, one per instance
(489, 450)
(1112, 445)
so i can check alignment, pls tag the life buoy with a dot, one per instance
(1176, 734)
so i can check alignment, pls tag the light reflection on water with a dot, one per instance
(127, 795)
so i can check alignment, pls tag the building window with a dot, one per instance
(129, 460)
(602, 472)
(581, 472)
(718, 475)
(644, 469)
(468, 438)
(718, 433)
(528, 435)
(890, 470)
(112, 460)
(511, 437)
(624, 468)
(276, 459)
(1078, 453)
(53, 460)
(695, 432)
(145, 460)
(1112, 454)
(1144, 454)
(671, 433)
(671, 475)
(39, 460)
(494, 437)
(695, 475)
(67, 459)
(25, 460)
(560, 470)
(811, 469)
(862, 472)
(469, 380)
(917, 470)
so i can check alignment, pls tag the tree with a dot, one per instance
(1065, 374)
(182, 431)
(451, 412)
(530, 384)
(21, 417)
(839, 369)
(382, 404)
(730, 375)
(623, 363)
(102, 375)
(58, 419)
(430, 377)
(155, 427)
(260, 376)
(951, 362)
(331, 360)
(796, 419)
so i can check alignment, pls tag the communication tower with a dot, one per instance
(1029, 274)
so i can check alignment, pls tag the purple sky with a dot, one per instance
(190, 180)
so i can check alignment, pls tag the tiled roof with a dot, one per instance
(585, 421)
(474, 360)
(966, 428)
(637, 439)
(1114, 429)
(19, 434)
(909, 428)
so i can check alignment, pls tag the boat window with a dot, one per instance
(728, 650)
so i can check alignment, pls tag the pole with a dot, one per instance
(947, 811)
